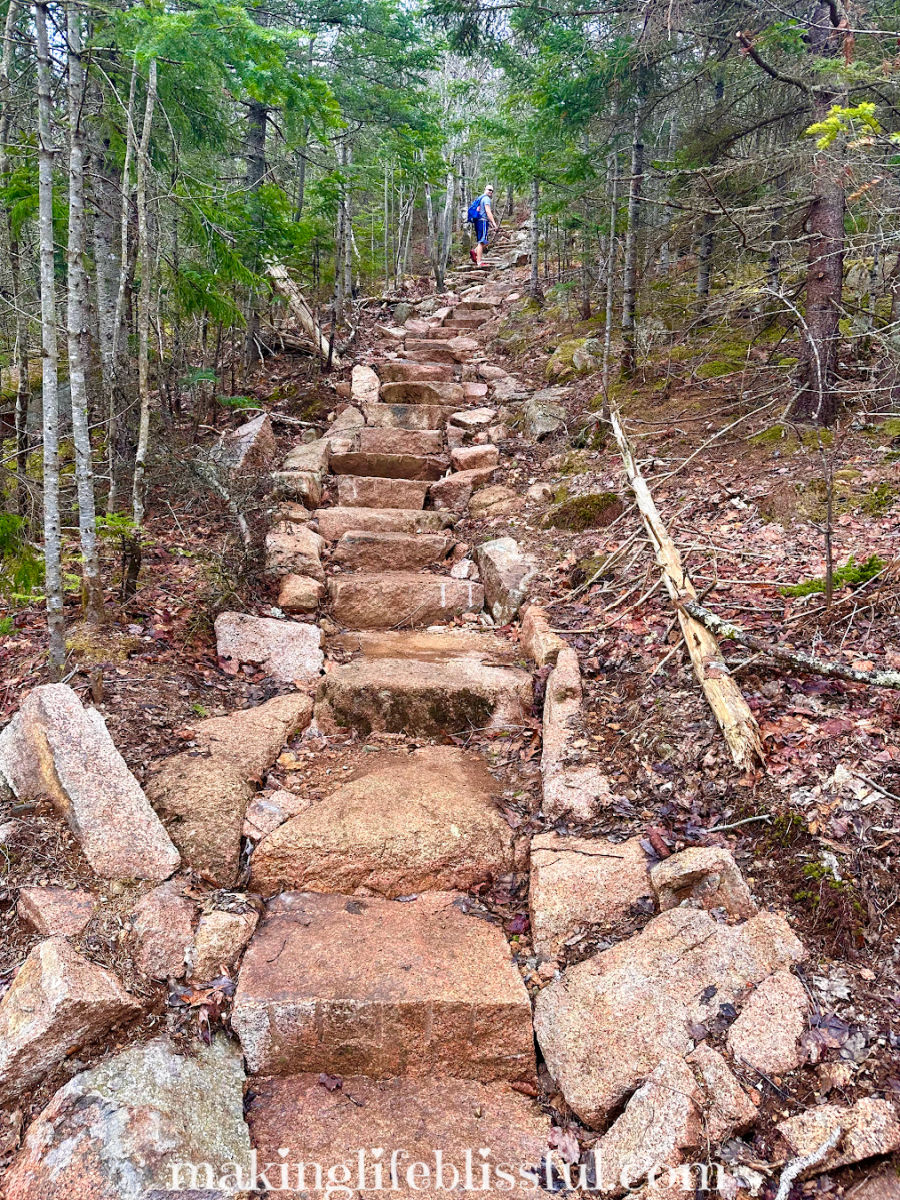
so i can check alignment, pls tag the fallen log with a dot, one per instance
(300, 310)
(723, 695)
(807, 663)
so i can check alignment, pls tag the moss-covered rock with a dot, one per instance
(592, 511)
(573, 357)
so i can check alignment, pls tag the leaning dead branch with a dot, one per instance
(300, 310)
(731, 710)
(809, 664)
(798, 1165)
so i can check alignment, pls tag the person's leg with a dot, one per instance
(481, 238)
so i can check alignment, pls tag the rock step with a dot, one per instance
(412, 823)
(363, 491)
(432, 646)
(409, 416)
(401, 372)
(475, 308)
(389, 465)
(401, 441)
(419, 697)
(360, 551)
(423, 392)
(334, 522)
(380, 988)
(387, 600)
(412, 1120)
(461, 318)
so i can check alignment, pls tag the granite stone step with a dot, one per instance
(374, 987)
(360, 551)
(401, 441)
(334, 522)
(400, 372)
(409, 416)
(423, 392)
(417, 697)
(389, 465)
(362, 491)
(390, 599)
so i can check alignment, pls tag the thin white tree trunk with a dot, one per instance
(534, 254)
(610, 278)
(447, 224)
(112, 428)
(629, 271)
(145, 267)
(49, 390)
(77, 320)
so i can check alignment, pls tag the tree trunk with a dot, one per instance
(255, 158)
(629, 270)
(23, 388)
(704, 259)
(119, 338)
(447, 225)
(534, 249)
(145, 268)
(825, 268)
(49, 379)
(77, 320)
(610, 280)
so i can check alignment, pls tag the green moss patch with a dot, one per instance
(586, 512)
(851, 574)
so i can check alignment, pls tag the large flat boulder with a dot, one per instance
(288, 651)
(359, 551)
(333, 523)
(401, 441)
(414, 1121)
(437, 646)
(408, 416)
(401, 372)
(55, 747)
(421, 697)
(381, 988)
(389, 599)
(424, 823)
(203, 792)
(582, 886)
(130, 1128)
(423, 392)
(57, 1002)
(355, 491)
(389, 465)
(609, 1021)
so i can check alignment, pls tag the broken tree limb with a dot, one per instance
(808, 663)
(723, 695)
(300, 310)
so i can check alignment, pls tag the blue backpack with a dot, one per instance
(475, 212)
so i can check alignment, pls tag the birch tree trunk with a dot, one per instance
(629, 274)
(610, 280)
(23, 388)
(49, 378)
(534, 246)
(447, 224)
(145, 268)
(118, 332)
(77, 321)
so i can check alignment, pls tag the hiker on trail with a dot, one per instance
(481, 214)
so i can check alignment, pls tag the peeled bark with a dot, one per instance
(49, 373)
(77, 320)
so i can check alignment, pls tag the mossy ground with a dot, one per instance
(585, 512)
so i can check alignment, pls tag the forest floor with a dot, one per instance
(815, 832)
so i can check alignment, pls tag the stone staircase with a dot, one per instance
(398, 990)
(385, 1025)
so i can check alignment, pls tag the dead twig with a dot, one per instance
(809, 664)
(798, 1165)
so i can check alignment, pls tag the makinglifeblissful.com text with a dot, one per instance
(374, 1169)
